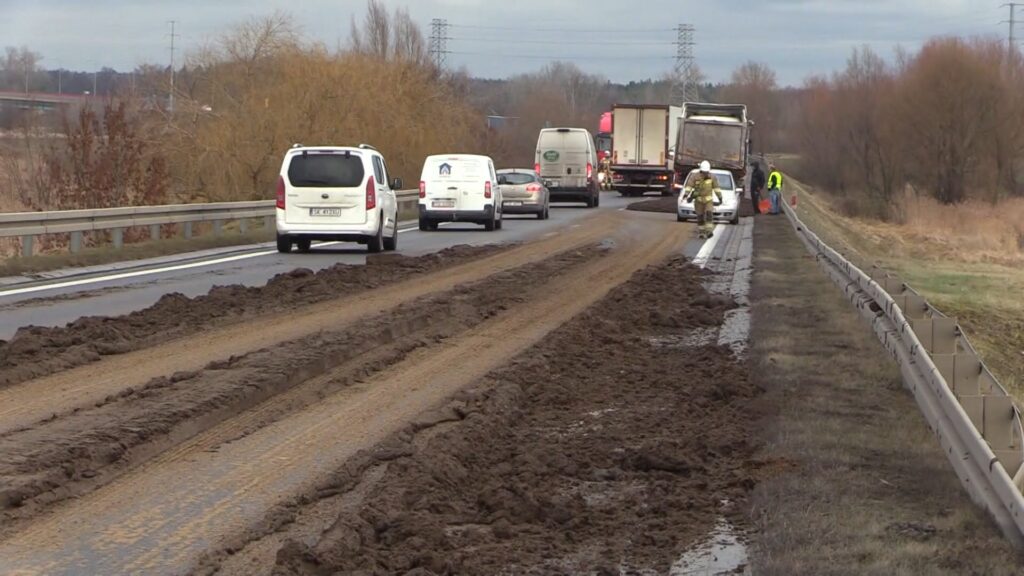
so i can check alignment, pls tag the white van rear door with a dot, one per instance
(456, 183)
(325, 187)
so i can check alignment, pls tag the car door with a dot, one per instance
(381, 187)
(494, 186)
(391, 195)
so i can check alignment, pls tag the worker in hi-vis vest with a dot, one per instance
(775, 189)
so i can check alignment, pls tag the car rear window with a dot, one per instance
(325, 171)
(518, 178)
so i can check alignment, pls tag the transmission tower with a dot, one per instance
(170, 94)
(439, 42)
(684, 83)
(1011, 39)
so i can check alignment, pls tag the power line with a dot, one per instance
(684, 83)
(617, 31)
(439, 42)
(170, 97)
(559, 57)
(1011, 39)
(597, 42)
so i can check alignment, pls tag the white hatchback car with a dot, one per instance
(336, 193)
(727, 211)
(459, 188)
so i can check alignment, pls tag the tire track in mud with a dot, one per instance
(30, 402)
(163, 516)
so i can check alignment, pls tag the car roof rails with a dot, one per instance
(297, 145)
(367, 147)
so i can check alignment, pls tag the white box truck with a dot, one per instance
(643, 147)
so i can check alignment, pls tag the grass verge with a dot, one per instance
(983, 291)
(855, 482)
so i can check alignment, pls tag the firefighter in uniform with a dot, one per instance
(702, 189)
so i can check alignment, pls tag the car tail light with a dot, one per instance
(590, 171)
(371, 194)
(423, 189)
(536, 168)
(487, 189)
(280, 192)
(533, 188)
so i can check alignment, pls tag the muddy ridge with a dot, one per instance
(73, 453)
(609, 446)
(36, 351)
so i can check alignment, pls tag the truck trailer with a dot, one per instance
(643, 144)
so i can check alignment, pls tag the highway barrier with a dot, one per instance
(968, 410)
(29, 225)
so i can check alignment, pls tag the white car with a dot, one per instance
(727, 211)
(336, 193)
(459, 188)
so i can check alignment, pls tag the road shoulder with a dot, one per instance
(858, 483)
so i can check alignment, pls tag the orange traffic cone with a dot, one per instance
(792, 200)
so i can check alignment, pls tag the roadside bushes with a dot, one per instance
(260, 90)
(946, 121)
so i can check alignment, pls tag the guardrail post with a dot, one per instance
(188, 230)
(118, 234)
(154, 232)
(243, 225)
(26, 245)
(76, 242)
(218, 227)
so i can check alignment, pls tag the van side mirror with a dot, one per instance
(396, 184)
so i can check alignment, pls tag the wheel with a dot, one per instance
(541, 214)
(735, 220)
(597, 200)
(680, 218)
(303, 244)
(376, 244)
(426, 225)
(391, 244)
(499, 223)
(489, 225)
(547, 212)
(590, 202)
(284, 244)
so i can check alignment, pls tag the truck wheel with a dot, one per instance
(284, 244)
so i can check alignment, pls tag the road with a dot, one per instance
(54, 303)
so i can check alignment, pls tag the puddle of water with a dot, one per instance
(720, 554)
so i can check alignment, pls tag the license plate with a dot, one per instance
(513, 203)
(325, 211)
(443, 204)
(551, 183)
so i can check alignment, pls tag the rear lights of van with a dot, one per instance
(423, 189)
(280, 192)
(536, 168)
(487, 189)
(590, 171)
(371, 194)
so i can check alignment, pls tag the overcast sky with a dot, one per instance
(622, 40)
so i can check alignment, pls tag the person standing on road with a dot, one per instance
(702, 190)
(775, 189)
(756, 187)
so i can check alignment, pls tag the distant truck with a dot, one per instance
(718, 133)
(643, 144)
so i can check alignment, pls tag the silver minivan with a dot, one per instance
(566, 160)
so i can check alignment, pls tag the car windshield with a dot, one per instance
(517, 178)
(325, 171)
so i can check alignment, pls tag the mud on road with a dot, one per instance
(610, 445)
(37, 351)
(74, 453)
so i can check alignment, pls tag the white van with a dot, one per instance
(566, 161)
(336, 193)
(459, 188)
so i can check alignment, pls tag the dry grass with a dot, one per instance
(855, 482)
(966, 260)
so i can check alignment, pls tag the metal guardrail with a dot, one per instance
(28, 225)
(970, 413)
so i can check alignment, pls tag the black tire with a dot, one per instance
(489, 225)
(597, 199)
(391, 244)
(284, 244)
(375, 245)
(735, 220)
(590, 202)
(680, 218)
(542, 214)
(500, 222)
(426, 225)
(303, 244)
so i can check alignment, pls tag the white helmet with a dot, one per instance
(705, 166)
